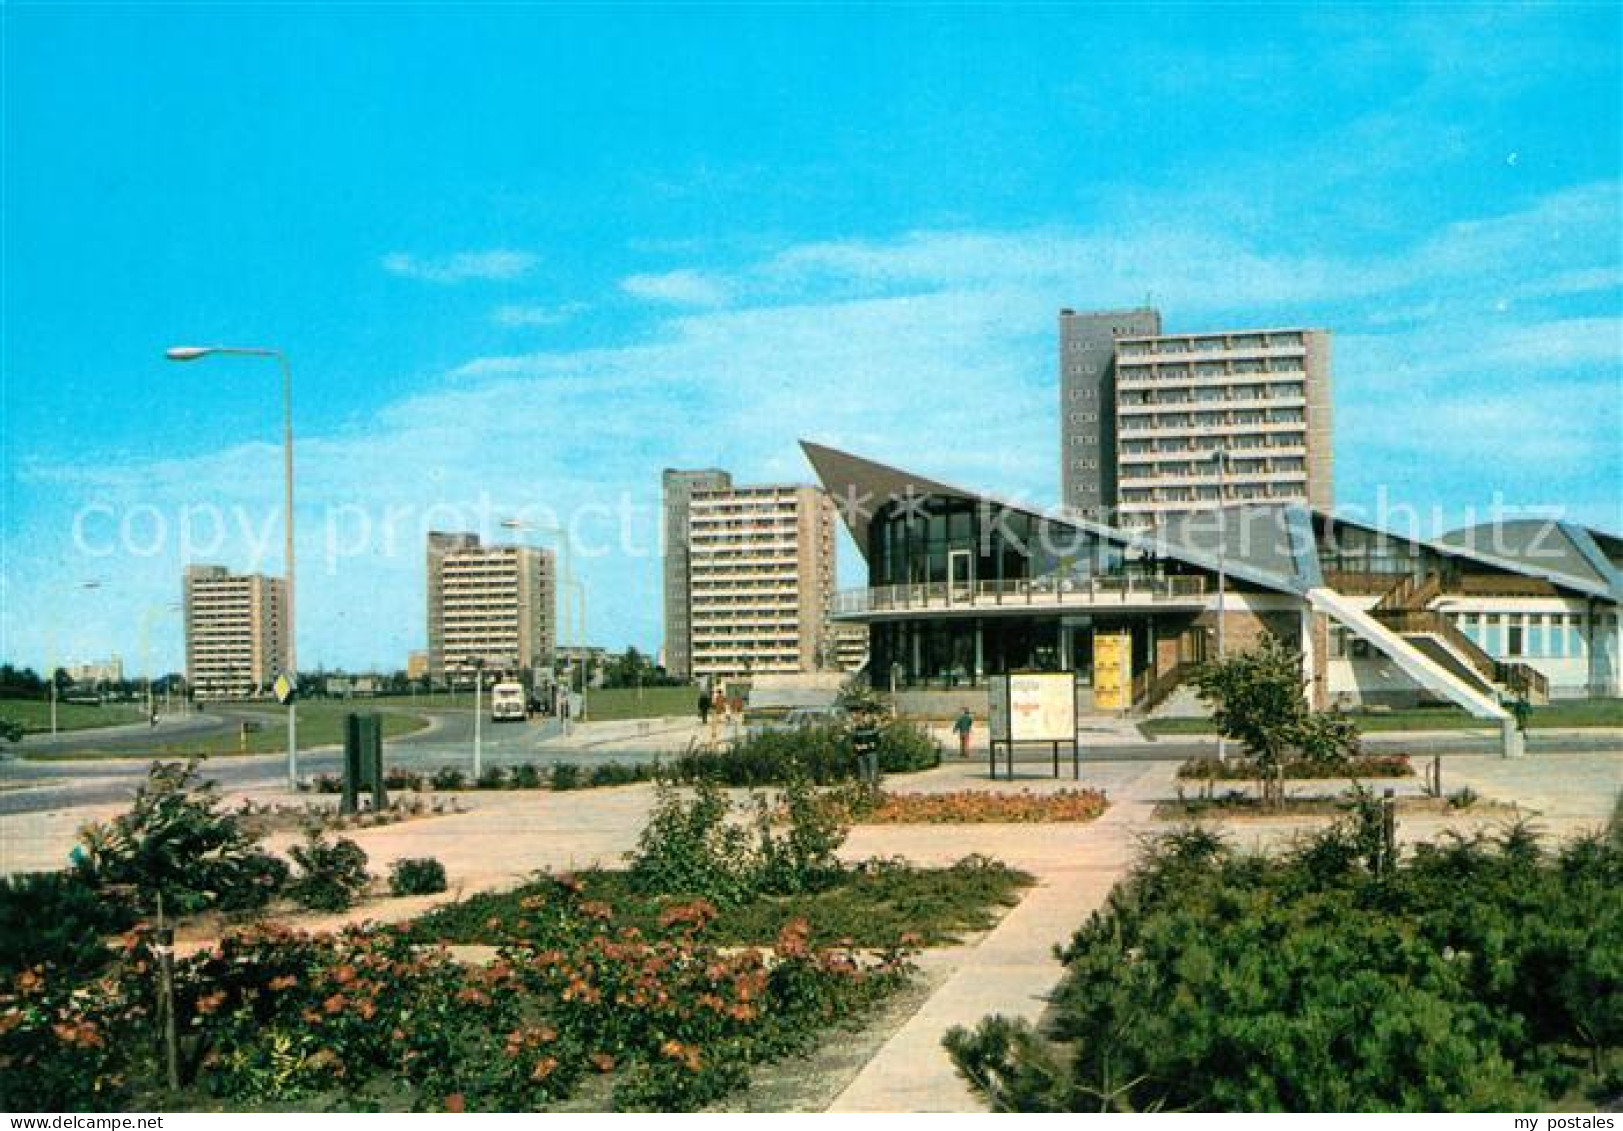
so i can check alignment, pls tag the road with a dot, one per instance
(34, 786)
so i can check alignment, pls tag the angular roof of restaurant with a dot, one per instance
(1272, 545)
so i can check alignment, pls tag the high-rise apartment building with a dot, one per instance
(678, 486)
(761, 579)
(1087, 371)
(489, 606)
(1168, 403)
(237, 631)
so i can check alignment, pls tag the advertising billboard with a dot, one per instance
(1041, 707)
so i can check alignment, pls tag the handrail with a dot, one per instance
(1023, 591)
(1508, 674)
(1159, 687)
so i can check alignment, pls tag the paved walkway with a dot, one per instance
(506, 836)
(1012, 969)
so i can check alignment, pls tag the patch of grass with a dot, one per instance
(1567, 713)
(35, 714)
(873, 905)
(612, 703)
(321, 723)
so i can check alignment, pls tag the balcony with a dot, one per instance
(1042, 593)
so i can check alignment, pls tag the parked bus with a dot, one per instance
(507, 702)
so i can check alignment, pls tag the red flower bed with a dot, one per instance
(982, 806)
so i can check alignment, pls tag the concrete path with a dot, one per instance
(1013, 968)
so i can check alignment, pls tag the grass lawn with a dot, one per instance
(1567, 713)
(610, 703)
(321, 723)
(871, 905)
(35, 714)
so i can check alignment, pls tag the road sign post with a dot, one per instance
(286, 688)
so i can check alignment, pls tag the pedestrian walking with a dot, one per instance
(704, 708)
(961, 727)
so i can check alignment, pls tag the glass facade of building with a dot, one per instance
(984, 547)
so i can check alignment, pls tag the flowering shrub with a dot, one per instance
(271, 1016)
(972, 806)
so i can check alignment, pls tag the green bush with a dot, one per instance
(527, 776)
(821, 755)
(395, 778)
(1481, 974)
(693, 846)
(448, 778)
(57, 920)
(418, 876)
(332, 874)
(176, 842)
(1245, 769)
(491, 777)
(565, 776)
(619, 773)
(690, 847)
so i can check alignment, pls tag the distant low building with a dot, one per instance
(97, 671)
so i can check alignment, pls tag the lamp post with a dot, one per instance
(152, 614)
(1222, 459)
(195, 353)
(477, 663)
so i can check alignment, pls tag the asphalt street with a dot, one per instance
(34, 785)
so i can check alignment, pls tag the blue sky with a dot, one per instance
(524, 258)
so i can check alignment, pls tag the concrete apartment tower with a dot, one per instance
(237, 631)
(1087, 376)
(761, 580)
(678, 486)
(1175, 400)
(494, 606)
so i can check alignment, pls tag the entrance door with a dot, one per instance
(960, 577)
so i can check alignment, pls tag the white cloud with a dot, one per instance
(516, 314)
(495, 264)
(679, 288)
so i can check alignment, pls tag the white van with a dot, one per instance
(507, 702)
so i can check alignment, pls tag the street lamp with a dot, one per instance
(477, 663)
(197, 353)
(1222, 459)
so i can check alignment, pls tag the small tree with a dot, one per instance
(1257, 701)
(176, 841)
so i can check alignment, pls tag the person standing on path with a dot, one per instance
(961, 727)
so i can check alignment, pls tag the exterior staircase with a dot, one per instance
(1405, 610)
(1422, 664)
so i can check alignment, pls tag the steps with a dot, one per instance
(1439, 675)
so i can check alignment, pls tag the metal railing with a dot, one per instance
(1046, 592)
(1508, 675)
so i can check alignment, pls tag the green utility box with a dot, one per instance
(363, 762)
